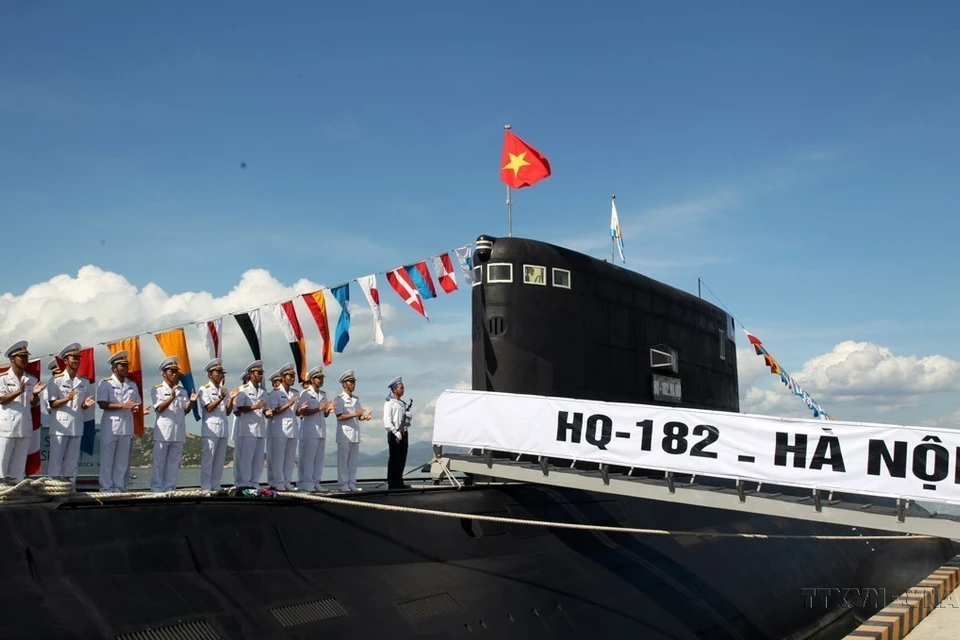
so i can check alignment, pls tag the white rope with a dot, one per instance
(43, 489)
(40, 489)
(585, 527)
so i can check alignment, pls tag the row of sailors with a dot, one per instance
(276, 421)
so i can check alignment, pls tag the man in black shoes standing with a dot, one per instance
(396, 419)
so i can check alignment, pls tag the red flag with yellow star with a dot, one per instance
(521, 165)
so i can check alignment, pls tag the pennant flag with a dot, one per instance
(420, 275)
(286, 317)
(88, 371)
(400, 280)
(134, 373)
(174, 345)
(317, 305)
(369, 286)
(447, 278)
(34, 464)
(615, 229)
(466, 263)
(250, 326)
(342, 294)
(785, 377)
(210, 331)
(521, 165)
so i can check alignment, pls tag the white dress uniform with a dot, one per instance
(284, 435)
(116, 431)
(348, 438)
(214, 433)
(169, 434)
(16, 421)
(249, 437)
(66, 424)
(313, 438)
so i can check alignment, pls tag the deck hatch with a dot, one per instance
(314, 611)
(193, 630)
(429, 606)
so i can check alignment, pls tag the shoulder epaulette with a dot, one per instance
(157, 386)
(108, 378)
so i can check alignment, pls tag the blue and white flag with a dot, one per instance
(342, 336)
(615, 232)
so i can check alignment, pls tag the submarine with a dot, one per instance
(545, 320)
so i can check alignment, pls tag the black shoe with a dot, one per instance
(399, 486)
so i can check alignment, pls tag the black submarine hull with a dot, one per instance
(191, 568)
(243, 568)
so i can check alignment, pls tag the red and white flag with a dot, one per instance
(401, 282)
(286, 317)
(369, 286)
(211, 331)
(443, 267)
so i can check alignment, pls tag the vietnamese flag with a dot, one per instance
(521, 164)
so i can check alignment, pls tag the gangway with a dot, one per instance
(898, 516)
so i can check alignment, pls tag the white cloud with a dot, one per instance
(95, 306)
(852, 376)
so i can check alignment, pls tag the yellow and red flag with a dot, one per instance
(521, 165)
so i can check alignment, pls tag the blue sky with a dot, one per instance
(801, 160)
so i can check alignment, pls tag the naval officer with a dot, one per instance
(216, 403)
(313, 407)
(284, 430)
(249, 431)
(55, 370)
(396, 419)
(349, 414)
(67, 396)
(171, 402)
(120, 400)
(19, 392)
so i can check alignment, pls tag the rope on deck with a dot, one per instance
(42, 489)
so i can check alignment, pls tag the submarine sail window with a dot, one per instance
(477, 275)
(499, 272)
(561, 278)
(535, 274)
(723, 344)
(663, 357)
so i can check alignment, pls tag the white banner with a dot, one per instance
(872, 459)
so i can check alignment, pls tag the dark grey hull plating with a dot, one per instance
(235, 568)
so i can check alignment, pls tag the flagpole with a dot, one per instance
(509, 202)
(613, 240)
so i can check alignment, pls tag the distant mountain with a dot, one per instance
(142, 453)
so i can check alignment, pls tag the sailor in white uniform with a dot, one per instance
(19, 392)
(284, 430)
(172, 402)
(249, 430)
(55, 371)
(313, 407)
(120, 400)
(349, 414)
(396, 419)
(216, 404)
(67, 396)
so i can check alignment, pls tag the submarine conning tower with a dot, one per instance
(554, 322)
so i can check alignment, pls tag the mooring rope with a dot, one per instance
(41, 489)
(585, 527)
